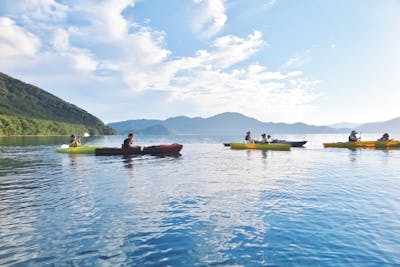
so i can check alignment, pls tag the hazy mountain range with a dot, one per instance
(224, 124)
(232, 123)
(347, 125)
(390, 126)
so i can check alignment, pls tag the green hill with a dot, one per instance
(28, 110)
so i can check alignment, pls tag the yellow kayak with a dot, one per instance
(281, 147)
(76, 150)
(365, 144)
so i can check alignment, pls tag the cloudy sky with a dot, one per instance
(314, 61)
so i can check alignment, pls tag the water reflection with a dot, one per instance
(129, 161)
(41, 140)
(264, 154)
(353, 154)
(32, 140)
(210, 207)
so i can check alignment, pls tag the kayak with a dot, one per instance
(110, 151)
(291, 143)
(282, 147)
(276, 141)
(148, 150)
(77, 150)
(365, 144)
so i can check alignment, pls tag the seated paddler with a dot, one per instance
(385, 137)
(265, 139)
(353, 137)
(74, 141)
(129, 142)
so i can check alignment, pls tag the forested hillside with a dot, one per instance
(28, 110)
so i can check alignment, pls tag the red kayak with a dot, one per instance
(147, 150)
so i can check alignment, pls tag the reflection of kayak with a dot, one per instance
(283, 147)
(77, 150)
(109, 151)
(365, 144)
(291, 143)
(148, 150)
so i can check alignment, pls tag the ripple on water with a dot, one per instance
(210, 206)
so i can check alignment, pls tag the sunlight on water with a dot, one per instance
(209, 206)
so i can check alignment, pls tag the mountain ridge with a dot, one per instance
(26, 109)
(223, 123)
(229, 122)
(390, 126)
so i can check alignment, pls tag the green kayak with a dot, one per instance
(281, 147)
(77, 150)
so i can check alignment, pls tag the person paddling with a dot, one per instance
(129, 142)
(385, 137)
(353, 137)
(74, 141)
(248, 138)
(265, 139)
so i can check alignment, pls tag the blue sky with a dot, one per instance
(318, 61)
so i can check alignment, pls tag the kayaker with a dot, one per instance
(74, 142)
(265, 139)
(353, 137)
(269, 139)
(385, 137)
(248, 138)
(128, 142)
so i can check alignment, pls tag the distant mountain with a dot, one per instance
(222, 124)
(390, 126)
(28, 110)
(342, 125)
(157, 129)
(128, 126)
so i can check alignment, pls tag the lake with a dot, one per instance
(209, 206)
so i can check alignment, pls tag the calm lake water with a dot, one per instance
(210, 206)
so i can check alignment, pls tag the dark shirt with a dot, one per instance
(353, 138)
(127, 143)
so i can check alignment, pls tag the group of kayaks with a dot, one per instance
(283, 145)
(170, 149)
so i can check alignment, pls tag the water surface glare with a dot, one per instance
(209, 206)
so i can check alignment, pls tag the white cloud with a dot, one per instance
(154, 71)
(42, 10)
(105, 20)
(270, 3)
(81, 58)
(298, 60)
(209, 17)
(134, 58)
(15, 41)
(232, 49)
(61, 40)
(252, 91)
